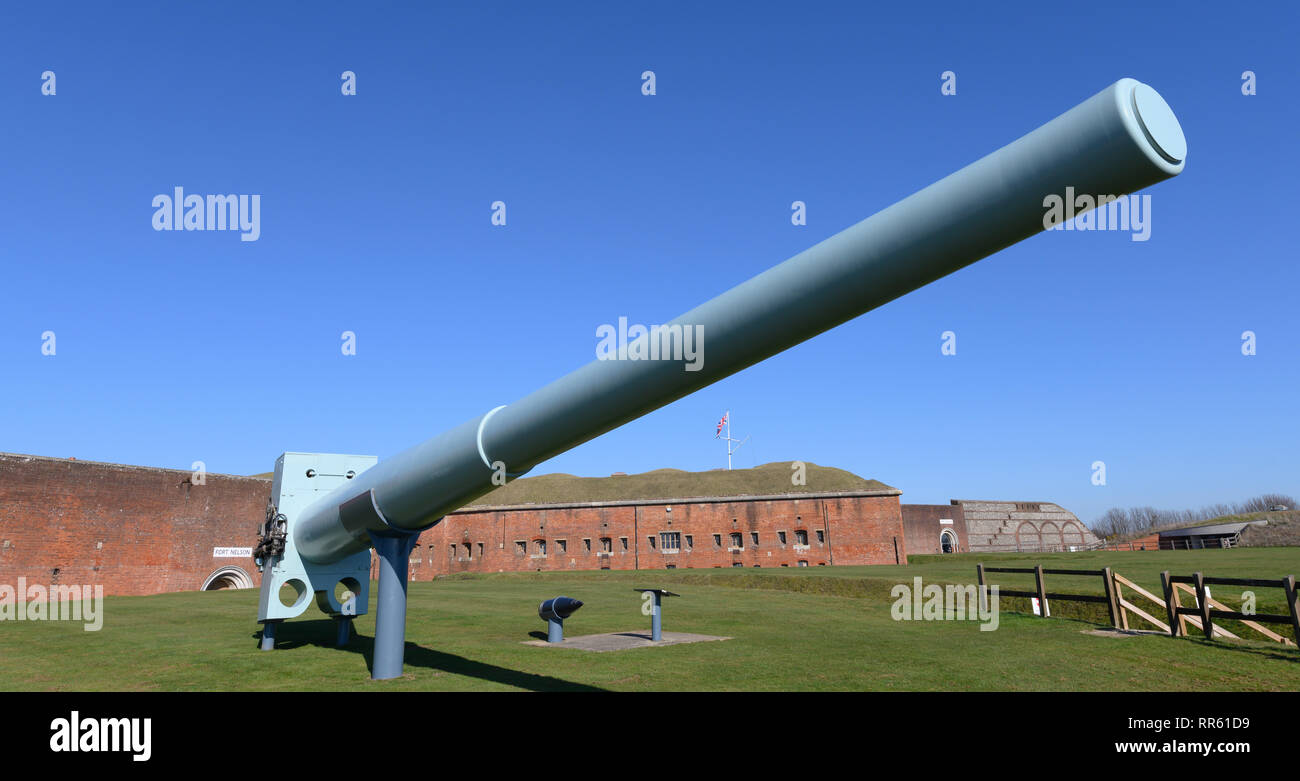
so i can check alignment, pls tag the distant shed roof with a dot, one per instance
(1214, 530)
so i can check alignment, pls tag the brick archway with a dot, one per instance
(227, 578)
(1028, 536)
(1050, 534)
(1071, 534)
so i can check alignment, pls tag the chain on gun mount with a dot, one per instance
(275, 530)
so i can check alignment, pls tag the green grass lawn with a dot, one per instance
(823, 628)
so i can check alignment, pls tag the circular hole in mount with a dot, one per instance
(292, 592)
(345, 590)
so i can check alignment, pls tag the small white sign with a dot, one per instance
(945, 522)
(1037, 610)
(232, 553)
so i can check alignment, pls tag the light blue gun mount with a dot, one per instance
(1117, 142)
(301, 479)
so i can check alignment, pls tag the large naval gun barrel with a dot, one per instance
(1119, 141)
(327, 510)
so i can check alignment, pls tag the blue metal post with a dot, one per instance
(656, 630)
(345, 630)
(268, 635)
(554, 630)
(394, 549)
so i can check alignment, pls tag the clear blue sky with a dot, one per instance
(1073, 347)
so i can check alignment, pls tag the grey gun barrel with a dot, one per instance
(1119, 141)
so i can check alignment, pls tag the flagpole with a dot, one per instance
(726, 421)
(728, 440)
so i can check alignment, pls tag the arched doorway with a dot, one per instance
(947, 542)
(227, 578)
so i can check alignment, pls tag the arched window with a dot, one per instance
(947, 541)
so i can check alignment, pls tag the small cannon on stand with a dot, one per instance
(553, 612)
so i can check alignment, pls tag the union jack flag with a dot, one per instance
(721, 423)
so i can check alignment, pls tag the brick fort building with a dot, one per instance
(143, 530)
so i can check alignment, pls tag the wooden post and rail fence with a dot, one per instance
(1201, 615)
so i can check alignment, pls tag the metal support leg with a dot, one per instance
(554, 630)
(268, 634)
(345, 630)
(656, 631)
(394, 549)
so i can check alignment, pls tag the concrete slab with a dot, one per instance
(622, 641)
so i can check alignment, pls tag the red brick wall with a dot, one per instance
(133, 530)
(921, 522)
(853, 530)
(139, 530)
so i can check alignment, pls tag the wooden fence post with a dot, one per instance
(979, 574)
(1203, 603)
(1042, 591)
(1110, 596)
(1119, 602)
(1288, 583)
(1176, 627)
